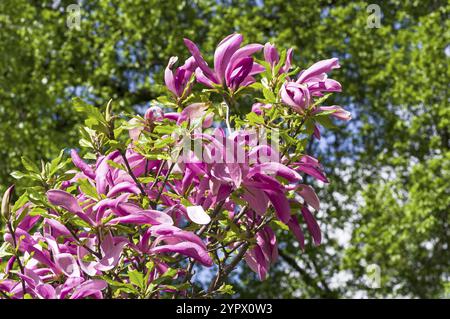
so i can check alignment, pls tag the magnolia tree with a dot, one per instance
(193, 187)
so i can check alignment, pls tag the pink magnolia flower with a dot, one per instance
(253, 170)
(310, 83)
(233, 66)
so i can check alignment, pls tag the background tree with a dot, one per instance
(388, 202)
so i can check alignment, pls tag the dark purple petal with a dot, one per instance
(237, 75)
(310, 197)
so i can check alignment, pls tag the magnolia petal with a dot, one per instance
(67, 264)
(224, 52)
(166, 231)
(271, 55)
(295, 228)
(78, 162)
(203, 79)
(310, 196)
(111, 258)
(313, 171)
(256, 199)
(318, 68)
(102, 171)
(275, 168)
(87, 266)
(257, 262)
(67, 201)
(199, 59)
(89, 288)
(189, 249)
(313, 226)
(124, 187)
(45, 291)
(145, 217)
(287, 65)
(168, 75)
(237, 75)
(246, 50)
(57, 226)
(64, 199)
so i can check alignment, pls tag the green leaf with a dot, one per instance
(278, 224)
(91, 111)
(88, 189)
(254, 118)
(18, 175)
(4, 250)
(20, 202)
(56, 164)
(269, 95)
(226, 289)
(280, 62)
(125, 287)
(39, 211)
(322, 99)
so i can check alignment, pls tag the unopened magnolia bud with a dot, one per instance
(6, 211)
(154, 113)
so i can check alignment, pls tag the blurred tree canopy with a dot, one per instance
(389, 200)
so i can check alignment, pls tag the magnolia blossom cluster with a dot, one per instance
(108, 219)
